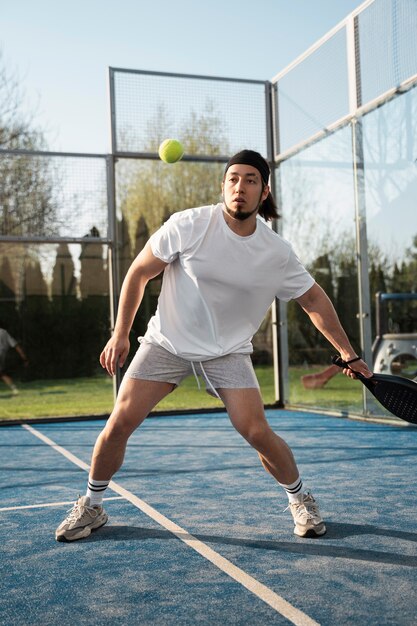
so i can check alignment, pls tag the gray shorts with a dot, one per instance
(233, 371)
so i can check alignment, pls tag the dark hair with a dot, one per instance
(268, 209)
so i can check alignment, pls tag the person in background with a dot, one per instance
(7, 342)
(319, 380)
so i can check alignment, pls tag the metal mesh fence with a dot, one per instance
(52, 196)
(150, 191)
(55, 208)
(344, 129)
(387, 46)
(210, 117)
(53, 269)
(350, 68)
(313, 94)
(54, 299)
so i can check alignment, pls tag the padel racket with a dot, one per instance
(396, 394)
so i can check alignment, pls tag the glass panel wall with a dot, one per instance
(50, 196)
(55, 297)
(210, 116)
(322, 77)
(387, 45)
(148, 193)
(55, 304)
(365, 215)
(390, 151)
(317, 200)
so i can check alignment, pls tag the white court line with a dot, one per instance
(263, 592)
(46, 504)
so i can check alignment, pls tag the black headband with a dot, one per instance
(250, 157)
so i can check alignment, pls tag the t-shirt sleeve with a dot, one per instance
(296, 280)
(171, 239)
(11, 341)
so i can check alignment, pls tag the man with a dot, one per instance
(7, 342)
(223, 267)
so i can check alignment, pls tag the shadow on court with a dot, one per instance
(199, 473)
(123, 533)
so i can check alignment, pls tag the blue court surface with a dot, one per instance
(198, 533)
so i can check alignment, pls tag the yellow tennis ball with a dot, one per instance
(170, 151)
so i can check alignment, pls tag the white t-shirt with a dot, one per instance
(218, 285)
(6, 342)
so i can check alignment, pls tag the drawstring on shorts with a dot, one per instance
(205, 376)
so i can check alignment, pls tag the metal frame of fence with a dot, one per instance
(276, 156)
(357, 109)
(199, 158)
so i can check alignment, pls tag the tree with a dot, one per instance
(403, 314)
(8, 312)
(7, 287)
(307, 344)
(377, 283)
(34, 283)
(63, 278)
(26, 193)
(152, 191)
(347, 300)
(94, 279)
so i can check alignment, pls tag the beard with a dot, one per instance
(238, 214)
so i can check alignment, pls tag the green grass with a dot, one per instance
(339, 393)
(94, 396)
(50, 398)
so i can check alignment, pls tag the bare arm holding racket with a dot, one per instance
(321, 311)
(143, 268)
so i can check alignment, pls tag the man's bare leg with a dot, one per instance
(246, 412)
(247, 415)
(135, 401)
(9, 382)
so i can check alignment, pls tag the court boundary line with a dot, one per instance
(264, 593)
(48, 504)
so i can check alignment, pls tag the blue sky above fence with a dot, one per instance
(61, 51)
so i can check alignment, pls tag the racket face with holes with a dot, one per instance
(398, 395)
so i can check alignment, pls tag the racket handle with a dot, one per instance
(337, 360)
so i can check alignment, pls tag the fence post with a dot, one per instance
(279, 327)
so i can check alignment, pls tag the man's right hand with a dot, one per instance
(114, 353)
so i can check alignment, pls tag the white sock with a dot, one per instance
(294, 490)
(95, 490)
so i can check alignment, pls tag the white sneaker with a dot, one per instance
(307, 518)
(82, 519)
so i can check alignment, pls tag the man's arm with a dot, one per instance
(21, 353)
(144, 267)
(321, 311)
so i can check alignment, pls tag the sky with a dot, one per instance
(60, 51)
